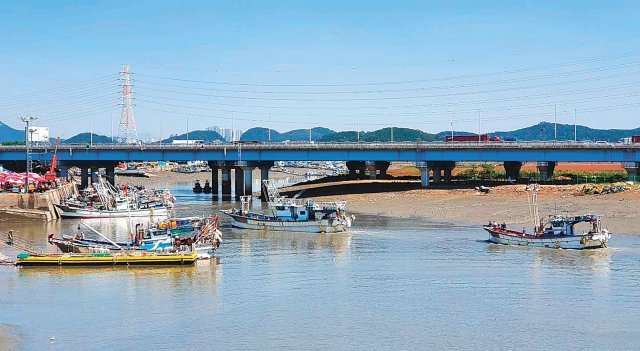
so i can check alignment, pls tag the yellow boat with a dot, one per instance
(108, 259)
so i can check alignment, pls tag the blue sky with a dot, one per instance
(297, 64)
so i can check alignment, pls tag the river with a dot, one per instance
(388, 284)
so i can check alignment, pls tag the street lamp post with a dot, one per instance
(27, 136)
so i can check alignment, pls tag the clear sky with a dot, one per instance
(337, 64)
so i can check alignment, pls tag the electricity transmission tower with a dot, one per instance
(127, 119)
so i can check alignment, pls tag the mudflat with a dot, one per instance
(504, 203)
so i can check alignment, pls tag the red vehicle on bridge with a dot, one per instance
(635, 139)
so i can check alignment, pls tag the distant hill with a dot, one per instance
(8, 134)
(85, 138)
(206, 135)
(541, 131)
(262, 134)
(384, 134)
(545, 131)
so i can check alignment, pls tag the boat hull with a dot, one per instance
(109, 260)
(83, 213)
(319, 226)
(577, 242)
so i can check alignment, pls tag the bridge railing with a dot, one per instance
(336, 146)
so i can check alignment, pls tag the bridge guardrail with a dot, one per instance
(333, 146)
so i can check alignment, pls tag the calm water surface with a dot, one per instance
(389, 284)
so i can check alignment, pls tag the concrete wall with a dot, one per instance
(36, 205)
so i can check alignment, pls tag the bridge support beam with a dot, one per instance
(239, 181)
(512, 169)
(264, 175)
(371, 167)
(356, 169)
(110, 171)
(438, 167)
(64, 170)
(226, 183)
(424, 173)
(84, 177)
(546, 169)
(633, 171)
(381, 168)
(215, 178)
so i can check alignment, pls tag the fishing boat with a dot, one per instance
(558, 232)
(112, 203)
(126, 258)
(194, 233)
(291, 214)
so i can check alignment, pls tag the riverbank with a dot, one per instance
(505, 203)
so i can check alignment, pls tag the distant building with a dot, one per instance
(228, 134)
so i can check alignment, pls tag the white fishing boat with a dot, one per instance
(113, 204)
(558, 232)
(292, 215)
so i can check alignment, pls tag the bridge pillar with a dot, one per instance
(264, 175)
(64, 170)
(239, 181)
(437, 174)
(110, 171)
(424, 173)
(84, 177)
(248, 180)
(447, 174)
(382, 167)
(512, 169)
(226, 183)
(546, 169)
(356, 169)
(371, 167)
(215, 178)
(633, 172)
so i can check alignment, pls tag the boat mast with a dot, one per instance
(533, 207)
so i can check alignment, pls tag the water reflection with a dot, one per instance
(575, 260)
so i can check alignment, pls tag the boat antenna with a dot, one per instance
(533, 206)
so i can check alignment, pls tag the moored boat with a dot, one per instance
(108, 259)
(558, 232)
(292, 215)
(76, 212)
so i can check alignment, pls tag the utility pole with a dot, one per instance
(269, 127)
(575, 125)
(451, 116)
(391, 121)
(187, 129)
(479, 127)
(309, 135)
(358, 129)
(555, 122)
(91, 130)
(27, 136)
(111, 127)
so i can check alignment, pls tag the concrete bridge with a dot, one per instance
(438, 158)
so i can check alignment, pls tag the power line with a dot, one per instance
(612, 57)
(475, 84)
(409, 97)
